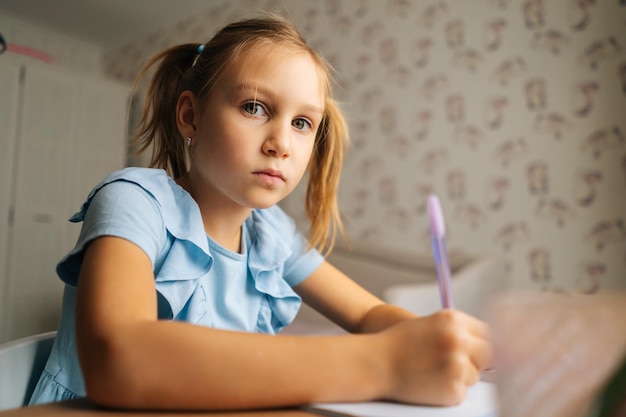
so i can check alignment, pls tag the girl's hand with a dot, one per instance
(434, 359)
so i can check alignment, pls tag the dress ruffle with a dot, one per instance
(180, 286)
(48, 387)
(266, 261)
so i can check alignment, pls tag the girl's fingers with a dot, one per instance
(481, 354)
(480, 349)
(480, 329)
(472, 375)
(479, 360)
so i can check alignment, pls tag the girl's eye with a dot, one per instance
(302, 124)
(254, 108)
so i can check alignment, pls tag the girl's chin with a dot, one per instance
(263, 198)
(263, 203)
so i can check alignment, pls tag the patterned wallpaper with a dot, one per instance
(512, 111)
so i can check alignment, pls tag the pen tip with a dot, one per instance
(435, 216)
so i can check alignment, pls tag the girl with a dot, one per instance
(180, 280)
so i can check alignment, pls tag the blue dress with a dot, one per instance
(197, 280)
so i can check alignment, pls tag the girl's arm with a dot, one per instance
(456, 347)
(343, 301)
(130, 359)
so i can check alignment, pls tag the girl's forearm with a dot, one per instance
(382, 317)
(174, 365)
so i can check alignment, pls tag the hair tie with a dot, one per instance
(200, 49)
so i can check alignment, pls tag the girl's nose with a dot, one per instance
(278, 141)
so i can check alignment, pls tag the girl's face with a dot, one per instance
(256, 130)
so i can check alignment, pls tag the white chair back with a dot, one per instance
(21, 363)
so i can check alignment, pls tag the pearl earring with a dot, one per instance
(189, 142)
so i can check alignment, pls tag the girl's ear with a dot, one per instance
(186, 108)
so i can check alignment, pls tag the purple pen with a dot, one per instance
(440, 251)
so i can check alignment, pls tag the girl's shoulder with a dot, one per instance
(155, 182)
(152, 180)
(178, 209)
(146, 181)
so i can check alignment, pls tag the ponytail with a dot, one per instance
(158, 122)
(324, 172)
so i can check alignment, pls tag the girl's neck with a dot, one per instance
(221, 217)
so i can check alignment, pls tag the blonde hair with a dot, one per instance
(186, 67)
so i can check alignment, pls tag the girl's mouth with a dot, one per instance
(270, 177)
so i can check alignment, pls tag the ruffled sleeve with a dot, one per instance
(147, 208)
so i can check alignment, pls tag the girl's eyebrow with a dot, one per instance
(260, 90)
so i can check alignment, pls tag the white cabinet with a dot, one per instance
(61, 133)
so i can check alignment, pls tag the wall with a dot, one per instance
(512, 111)
(63, 128)
(61, 49)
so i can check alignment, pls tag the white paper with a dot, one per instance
(481, 401)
